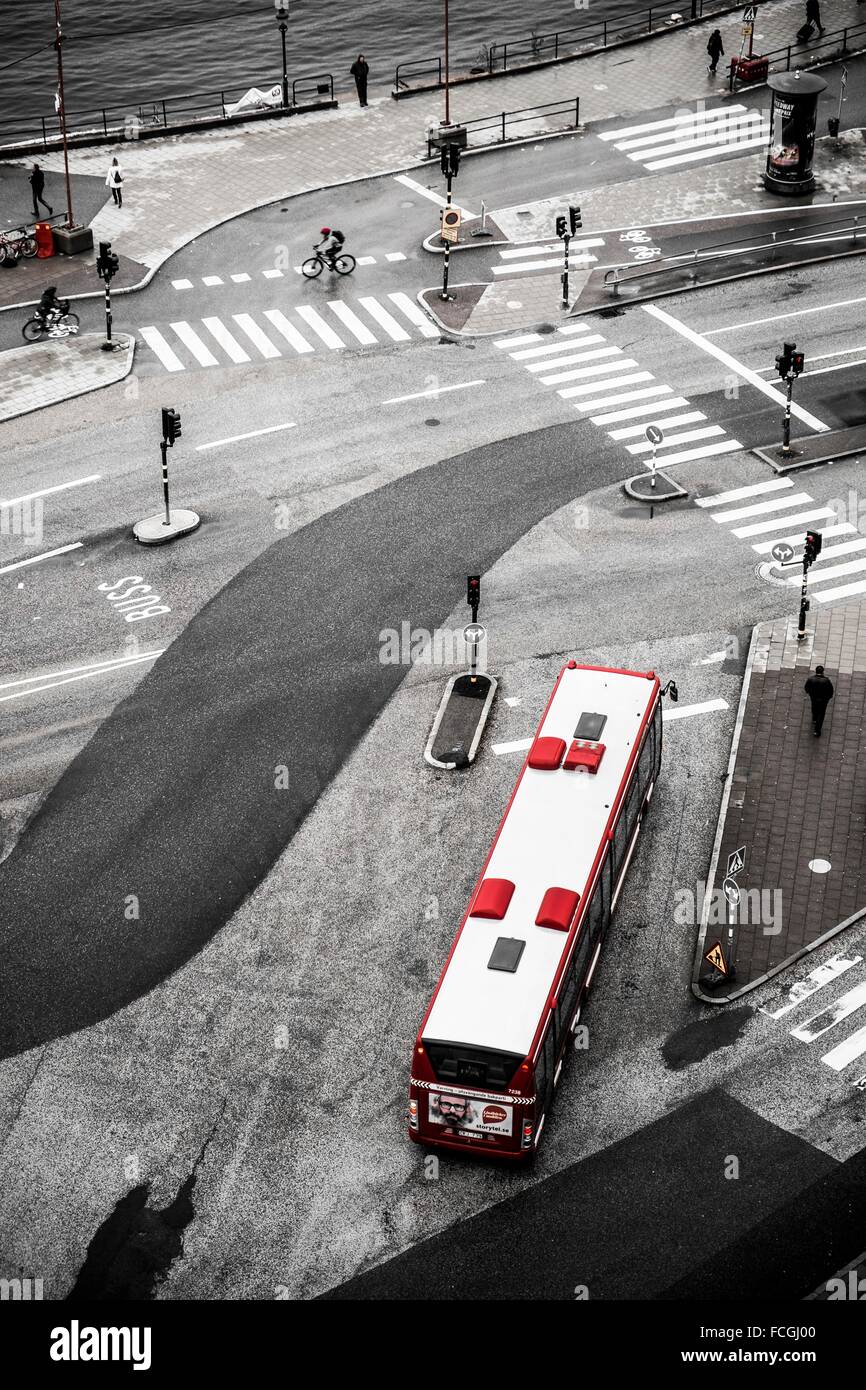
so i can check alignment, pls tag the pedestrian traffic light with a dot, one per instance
(473, 593)
(450, 160)
(561, 225)
(812, 547)
(798, 362)
(170, 425)
(574, 218)
(107, 264)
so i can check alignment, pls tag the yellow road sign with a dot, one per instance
(716, 958)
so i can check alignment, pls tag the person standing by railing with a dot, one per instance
(114, 179)
(360, 70)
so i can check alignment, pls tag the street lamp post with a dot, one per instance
(447, 88)
(282, 16)
(61, 111)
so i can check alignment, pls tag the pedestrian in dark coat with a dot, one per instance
(819, 688)
(715, 49)
(359, 70)
(37, 184)
(813, 14)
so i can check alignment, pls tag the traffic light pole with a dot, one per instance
(566, 239)
(804, 603)
(108, 345)
(447, 263)
(787, 451)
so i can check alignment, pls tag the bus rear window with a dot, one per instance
(471, 1066)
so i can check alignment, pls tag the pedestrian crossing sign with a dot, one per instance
(736, 861)
(750, 14)
(716, 958)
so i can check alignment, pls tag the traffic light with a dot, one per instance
(798, 362)
(170, 425)
(574, 219)
(783, 361)
(473, 593)
(812, 547)
(107, 264)
(561, 225)
(450, 160)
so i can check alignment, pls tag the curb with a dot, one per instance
(73, 394)
(640, 488)
(797, 465)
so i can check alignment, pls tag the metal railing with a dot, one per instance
(778, 239)
(134, 118)
(563, 43)
(779, 59)
(503, 120)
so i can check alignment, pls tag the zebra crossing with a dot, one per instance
(212, 342)
(610, 388)
(843, 1051)
(522, 260)
(243, 277)
(778, 512)
(691, 137)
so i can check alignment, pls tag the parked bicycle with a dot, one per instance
(344, 264)
(17, 243)
(57, 323)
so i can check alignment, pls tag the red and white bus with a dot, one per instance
(490, 1049)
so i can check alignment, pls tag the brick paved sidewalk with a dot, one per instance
(792, 800)
(176, 189)
(42, 374)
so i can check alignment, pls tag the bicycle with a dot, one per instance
(60, 323)
(344, 264)
(17, 243)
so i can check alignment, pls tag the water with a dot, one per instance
(160, 48)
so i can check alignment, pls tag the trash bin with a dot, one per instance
(44, 240)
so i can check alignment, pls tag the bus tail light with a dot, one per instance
(413, 1114)
(526, 1142)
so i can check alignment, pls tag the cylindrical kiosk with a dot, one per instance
(793, 118)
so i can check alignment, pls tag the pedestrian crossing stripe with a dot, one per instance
(691, 136)
(716, 958)
(242, 339)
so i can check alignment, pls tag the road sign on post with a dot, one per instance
(462, 714)
(156, 530)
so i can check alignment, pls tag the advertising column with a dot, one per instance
(793, 118)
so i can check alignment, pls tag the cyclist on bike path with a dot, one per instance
(49, 303)
(331, 245)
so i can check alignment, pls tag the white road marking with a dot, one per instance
(755, 490)
(351, 321)
(230, 346)
(704, 451)
(573, 355)
(842, 529)
(831, 552)
(671, 440)
(621, 364)
(528, 356)
(259, 339)
(272, 274)
(160, 348)
(670, 712)
(828, 1018)
(661, 398)
(46, 555)
(815, 980)
(182, 284)
(670, 121)
(764, 527)
(519, 341)
(436, 391)
(430, 193)
(252, 434)
(384, 319)
(632, 431)
(733, 365)
(796, 499)
(241, 278)
(365, 260)
(574, 261)
(610, 384)
(842, 367)
(514, 253)
(841, 591)
(831, 572)
(414, 314)
(394, 256)
(714, 659)
(794, 314)
(726, 147)
(191, 340)
(44, 491)
(211, 280)
(516, 746)
(69, 677)
(686, 134)
(847, 1051)
(318, 325)
(288, 330)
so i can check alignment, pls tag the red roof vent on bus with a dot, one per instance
(492, 898)
(557, 909)
(582, 754)
(546, 753)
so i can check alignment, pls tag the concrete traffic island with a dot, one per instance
(59, 369)
(788, 870)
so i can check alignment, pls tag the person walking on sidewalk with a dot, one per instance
(359, 70)
(37, 184)
(819, 688)
(114, 179)
(813, 14)
(716, 50)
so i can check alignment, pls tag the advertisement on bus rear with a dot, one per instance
(467, 1116)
